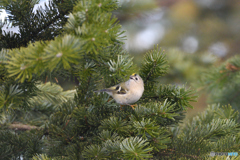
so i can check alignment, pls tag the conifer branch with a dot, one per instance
(154, 65)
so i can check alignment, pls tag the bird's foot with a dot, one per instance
(121, 107)
(133, 106)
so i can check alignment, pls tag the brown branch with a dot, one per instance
(21, 127)
(66, 124)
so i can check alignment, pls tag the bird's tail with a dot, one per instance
(103, 90)
(108, 91)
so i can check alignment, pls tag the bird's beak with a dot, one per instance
(132, 77)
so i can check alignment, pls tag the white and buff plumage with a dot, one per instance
(128, 92)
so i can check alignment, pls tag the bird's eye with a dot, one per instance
(136, 78)
(117, 87)
(135, 75)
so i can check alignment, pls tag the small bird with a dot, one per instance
(127, 92)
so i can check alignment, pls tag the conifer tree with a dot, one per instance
(82, 39)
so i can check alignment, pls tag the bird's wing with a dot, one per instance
(119, 89)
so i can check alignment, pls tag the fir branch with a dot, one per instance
(94, 151)
(19, 17)
(221, 82)
(41, 157)
(154, 65)
(179, 95)
(115, 124)
(173, 154)
(135, 148)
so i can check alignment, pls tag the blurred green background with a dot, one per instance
(195, 34)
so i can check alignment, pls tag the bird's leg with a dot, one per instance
(109, 99)
(133, 106)
(128, 105)
(121, 107)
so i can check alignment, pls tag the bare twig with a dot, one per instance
(22, 127)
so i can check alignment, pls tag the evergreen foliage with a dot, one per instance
(33, 25)
(222, 82)
(39, 120)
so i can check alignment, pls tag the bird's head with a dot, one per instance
(135, 78)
